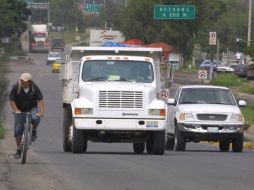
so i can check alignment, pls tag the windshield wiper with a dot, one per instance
(97, 79)
(188, 102)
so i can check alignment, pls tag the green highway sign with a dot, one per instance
(178, 12)
(93, 8)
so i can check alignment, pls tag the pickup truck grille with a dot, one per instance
(121, 99)
(212, 117)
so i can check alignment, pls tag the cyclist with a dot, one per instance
(25, 96)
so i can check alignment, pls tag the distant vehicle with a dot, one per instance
(225, 68)
(38, 38)
(206, 113)
(52, 56)
(240, 70)
(206, 64)
(56, 66)
(57, 44)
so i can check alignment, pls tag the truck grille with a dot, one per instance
(40, 43)
(212, 117)
(121, 99)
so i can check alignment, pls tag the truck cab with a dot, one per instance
(113, 94)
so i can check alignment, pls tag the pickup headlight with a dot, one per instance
(83, 111)
(237, 117)
(157, 112)
(186, 116)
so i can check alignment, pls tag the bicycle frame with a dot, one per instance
(26, 137)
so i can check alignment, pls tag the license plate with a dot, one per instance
(212, 129)
(152, 124)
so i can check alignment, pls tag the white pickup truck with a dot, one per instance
(115, 94)
(206, 113)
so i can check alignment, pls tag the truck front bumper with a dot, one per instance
(120, 124)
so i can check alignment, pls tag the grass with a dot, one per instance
(248, 113)
(1, 132)
(247, 88)
(227, 79)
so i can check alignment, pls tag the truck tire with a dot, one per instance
(180, 143)
(67, 122)
(138, 148)
(159, 142)
(149, 145)
(78, 141)
(170, 144)
(237, 144)
(224, 146)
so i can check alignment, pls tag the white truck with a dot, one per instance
(98, 37)
(38, 38)
(115, 94)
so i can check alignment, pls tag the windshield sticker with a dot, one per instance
(113, 77)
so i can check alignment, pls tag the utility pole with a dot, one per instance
(249, 25)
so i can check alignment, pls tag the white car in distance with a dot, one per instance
(206, 113)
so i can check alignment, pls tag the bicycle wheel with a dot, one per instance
(24, 143)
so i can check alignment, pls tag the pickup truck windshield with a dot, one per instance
(206, 96)
(117, 70)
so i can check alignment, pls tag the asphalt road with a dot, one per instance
(115, 166)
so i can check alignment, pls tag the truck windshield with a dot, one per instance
(206, 96)
(118, 70)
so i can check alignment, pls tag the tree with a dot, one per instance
(13, 15)
(137, 21)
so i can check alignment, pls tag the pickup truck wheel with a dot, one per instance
(224, 146)
(180, 143)
(237, 144)
(170, 144)
(67, 122)
(78, 140)
(138, 148)
(159, 142)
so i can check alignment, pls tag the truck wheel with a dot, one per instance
(138, 148)
(67, 122)
(224, 146)
(237, 144)
(78, 140)
(149, 145)
(159, 142)
(170, 144)
(180, 143)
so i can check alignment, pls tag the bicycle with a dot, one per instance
(26, 137)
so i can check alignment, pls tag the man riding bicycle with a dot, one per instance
(25, 96)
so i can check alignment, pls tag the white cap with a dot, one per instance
(26, 77)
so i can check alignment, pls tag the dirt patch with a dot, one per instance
(35, 175)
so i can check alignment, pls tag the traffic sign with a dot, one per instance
(178, 12)
(212, 38)
(165, 94)
(93, 8)
(202, 74)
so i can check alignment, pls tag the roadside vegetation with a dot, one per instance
(3, 93)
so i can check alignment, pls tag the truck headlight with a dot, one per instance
(83, 111)
(157, 112)
(237, 117)
(186, 116)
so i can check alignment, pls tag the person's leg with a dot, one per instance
(18, 132)
(35, 122)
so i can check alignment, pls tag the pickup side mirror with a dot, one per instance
(171, 101)
(242, 103)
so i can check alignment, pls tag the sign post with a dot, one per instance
(178, 12)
